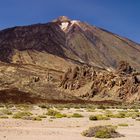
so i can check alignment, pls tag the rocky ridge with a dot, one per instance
(121, 85)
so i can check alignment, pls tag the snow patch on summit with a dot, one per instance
(64, 25)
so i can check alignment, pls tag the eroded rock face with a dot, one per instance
(124, 68)
(105, 85)
(77, 77)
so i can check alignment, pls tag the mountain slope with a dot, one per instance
(37, 62)
(69, 39)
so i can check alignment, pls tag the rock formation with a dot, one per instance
(123, 84)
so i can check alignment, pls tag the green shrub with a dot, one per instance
(110, 115)
(98, 117)
(27, 118)
(37, 118)
(136, 110)
(133, 115)
(42, 116)
(121, 115)
(6, 111)
(59, 115)
(91, 110)
(137, 119)
(103, 133)
(117, 115)
(9, 106)
(19, 115)
(101, 107)
(23, 106)
(77, 115)
(106, 131)
(52, 112)
(4, 117)
(69, 116)
(93, 118)
(123, 124)
(43, 106)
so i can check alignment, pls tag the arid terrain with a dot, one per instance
(41, 122)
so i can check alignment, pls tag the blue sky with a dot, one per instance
(118, 16)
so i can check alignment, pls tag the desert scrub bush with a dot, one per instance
(107, 131)
(90, 110)
(137, 119)
(136, 110)
(52, 112)
(122, 114)
(123, 124)
(42, 116)
(23, 106)
(117, 115)
(77, 115)
(6, 111)
(93, 118)
(20, 115)
(43, 106)
(69, 116)
(52, 117)
(109, 114)
(98, 117)
(78, 106)
(59, 115)
(55, 113)
(133, 115)
(135, 107)
(4, 117)
(37, 118)
(108, 111)
(9, 105)
(101, 107)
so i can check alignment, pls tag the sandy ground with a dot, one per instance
(62, 128)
